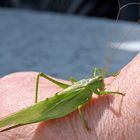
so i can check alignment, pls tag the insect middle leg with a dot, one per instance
(60, 84)
(110, 92)
(73, 80)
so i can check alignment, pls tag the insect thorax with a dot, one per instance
(93, 83)
(96, 83)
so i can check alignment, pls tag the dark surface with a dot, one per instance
(60, 45)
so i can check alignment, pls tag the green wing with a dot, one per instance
(54, 107)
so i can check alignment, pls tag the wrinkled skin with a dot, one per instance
(110, 117)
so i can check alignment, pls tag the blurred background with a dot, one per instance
(66, 38)
(98, 8)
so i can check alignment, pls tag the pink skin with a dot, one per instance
(110, 117)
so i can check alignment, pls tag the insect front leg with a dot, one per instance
(60, 84)
(103, 72)
(83, 118)
(98, 92)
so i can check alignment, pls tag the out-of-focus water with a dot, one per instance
(61, 45)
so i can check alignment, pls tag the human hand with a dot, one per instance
(110, 117)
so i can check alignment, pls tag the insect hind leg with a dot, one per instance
(60, 84)
(37, 85)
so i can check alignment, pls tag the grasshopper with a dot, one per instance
(71, 98)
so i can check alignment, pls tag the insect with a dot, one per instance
(71, 98)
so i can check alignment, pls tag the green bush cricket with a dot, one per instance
(71, 98)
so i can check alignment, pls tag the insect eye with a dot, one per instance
(100, 79)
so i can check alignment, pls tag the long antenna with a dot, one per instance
(118, 15)
(125, 36)
(129, 31)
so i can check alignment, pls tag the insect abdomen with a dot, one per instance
(55, 107)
